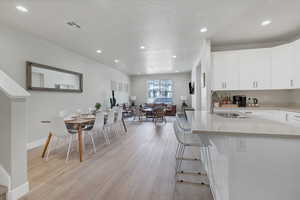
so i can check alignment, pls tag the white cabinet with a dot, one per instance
(258, 69)
(255, 69)
(282, 67)
(296, 67)
(226, 70)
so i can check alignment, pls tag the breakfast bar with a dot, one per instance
(247, 157)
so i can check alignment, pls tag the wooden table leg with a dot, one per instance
(124, 125)
(47, 144)
(80, 143)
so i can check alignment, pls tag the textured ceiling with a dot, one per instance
(165, 27)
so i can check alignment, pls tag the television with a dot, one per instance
(192, 87)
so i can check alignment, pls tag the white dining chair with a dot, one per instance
(59, 132)
(79, 111)
(110, 122)
(98, 127)
(90, 110)
(119, 121)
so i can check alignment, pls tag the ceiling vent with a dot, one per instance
(73, 24)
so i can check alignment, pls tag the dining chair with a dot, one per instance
(59, 132)
(98, 127)
(110, 122)
(137, 112)
(119, 121)
(90, 110)
(159, 114)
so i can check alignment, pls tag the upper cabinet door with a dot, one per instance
(232, 81)
(296, 66)
(219, 70)
(255, 69)
(226, 70)
(282, 65)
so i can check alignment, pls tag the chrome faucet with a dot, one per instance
(214, 98)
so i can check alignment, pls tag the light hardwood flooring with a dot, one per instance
(137, 166)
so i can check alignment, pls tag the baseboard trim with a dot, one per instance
(36, 143)
(18, 192)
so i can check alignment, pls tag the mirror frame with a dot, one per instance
(29, 66)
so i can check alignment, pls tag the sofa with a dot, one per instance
(169, 108)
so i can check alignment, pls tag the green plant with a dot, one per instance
(98, 106)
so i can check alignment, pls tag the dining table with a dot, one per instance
(77, 122)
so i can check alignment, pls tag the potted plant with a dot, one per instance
(97, 107)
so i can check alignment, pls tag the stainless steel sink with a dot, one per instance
(231, 115)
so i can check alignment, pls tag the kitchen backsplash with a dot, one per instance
(269, 97)
(295, 97)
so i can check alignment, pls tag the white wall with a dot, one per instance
(5, 139)
(17, 47)
(180, 86)
(201, 98)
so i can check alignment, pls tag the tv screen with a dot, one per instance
(191, 87)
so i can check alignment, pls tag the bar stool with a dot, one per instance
(185, 139)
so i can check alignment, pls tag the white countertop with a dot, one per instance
(203, 122)
(265, 107)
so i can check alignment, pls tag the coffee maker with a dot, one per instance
(240, 100)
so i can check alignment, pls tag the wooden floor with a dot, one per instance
(138, 166)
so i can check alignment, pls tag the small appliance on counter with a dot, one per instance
(240, 100)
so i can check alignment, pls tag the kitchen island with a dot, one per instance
(248, 157)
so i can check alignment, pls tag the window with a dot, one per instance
(160, 91)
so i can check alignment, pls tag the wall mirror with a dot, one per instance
(45, 78)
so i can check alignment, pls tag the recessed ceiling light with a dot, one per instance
(142, 47)
(22, 8)
(116, 60)
(174, 56)
(203, 30)
(266, 22)
(99, 51)
(176, 71)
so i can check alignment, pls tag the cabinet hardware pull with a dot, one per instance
(297, 116)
